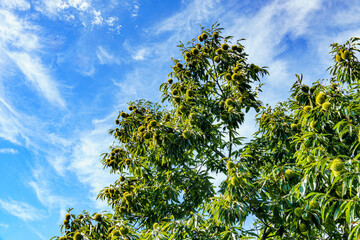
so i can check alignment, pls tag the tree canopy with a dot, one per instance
(298, 178)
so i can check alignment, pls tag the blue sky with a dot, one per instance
(68, 66)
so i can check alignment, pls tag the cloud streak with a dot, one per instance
(105, 57)
(36, 73)
(19, 41)
(20, 128)
(3, 225)
(10, 127)
(15, 4)
(85, 160)
(53, 8)
(141, 54)
(194, 14)
(8, 150)
(82, 10)
(21, 210)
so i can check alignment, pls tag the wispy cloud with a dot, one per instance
(15, 4)
(21, 210)
(45, 184)
(114, 25)
(4, 225)
(79, 10)
(78, 157)
(141, 54)
(44, 191)
(268, 32)
(19, 41)
(86, 156)
(195, 13)
(105, 57)
(10, 126)
(34, 230)
(266, 29)
(111, 21)
(20, 128)
(17, 33)
(98, 19)
(135, 9)
(342, 13)
(272, 31)
(38, 75)
(54, 7)
(21, 50)
(181, 26)
(132, 86)
(8, 150)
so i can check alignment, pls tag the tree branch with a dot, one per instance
(217, 151)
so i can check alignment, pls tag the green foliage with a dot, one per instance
(337, 165)
(325, 106)
(298, 177)
(290, 173)
(299, 211)
(78, 236)
(320, 98)
(230, 165)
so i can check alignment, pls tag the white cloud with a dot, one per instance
(279, 72)
(85, 160)
(266, 29)
(38, 75)
(59, 163)
(81, 5)
(195, 13)
(21, 210)
(135, 9)
(141, 54)
(15, 4)
(10, 126)
(20, 43)
(4, 225)
(98, 19)
(182, 26)
(17, 33)
(113, 24)
(54, 7)
(268, 32)
(43, 189)
(19, 128)
(82, 10)
(128, 89)
(45, 194)
(141, 83)
(44, 186)
(79, 156)
(111, 21)
(105, 57)
(8, 150)
(344, 15)
(34, 230)
(322, 44)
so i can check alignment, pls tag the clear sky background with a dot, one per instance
(68, 66)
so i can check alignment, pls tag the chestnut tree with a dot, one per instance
(298, 178)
